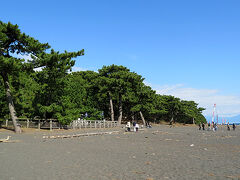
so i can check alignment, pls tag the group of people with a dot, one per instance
(201, 126)
(135, 126)
(233, 127)
(214, 126)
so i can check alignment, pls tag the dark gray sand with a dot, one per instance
(153, 154)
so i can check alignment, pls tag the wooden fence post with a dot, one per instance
(27, 123)
(74, 124)
(50, 124)
(39, 125)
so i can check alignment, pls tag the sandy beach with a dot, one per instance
(157, 153)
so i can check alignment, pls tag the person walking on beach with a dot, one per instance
(128, 126)
(199, 126)
(203, 126)
(209, 128)
(134, 126)
(228, 127)
(137, 127)
(234, 126)
(213, 127)
(149, 125)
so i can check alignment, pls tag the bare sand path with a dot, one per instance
(153, 154)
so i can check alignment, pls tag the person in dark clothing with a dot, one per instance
(134, 123)
(203, 126)
(234, 126)
(215, 127)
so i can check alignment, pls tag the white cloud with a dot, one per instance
(75, 68)
(38, 69)
(25, 56)
(28, 57)
(227, 105)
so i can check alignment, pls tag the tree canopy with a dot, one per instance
(114, 92)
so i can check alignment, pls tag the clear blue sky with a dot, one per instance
(187, 45)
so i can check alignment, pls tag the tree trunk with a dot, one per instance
(10, 103)
(142, 117)
(171, 121)
(120, 111)
(111, 107)
(133, 118)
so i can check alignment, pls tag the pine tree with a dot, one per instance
(12, 43)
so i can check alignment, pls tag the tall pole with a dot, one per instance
(214, 108)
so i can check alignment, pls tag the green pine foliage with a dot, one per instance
(3, 105)
(51, 100)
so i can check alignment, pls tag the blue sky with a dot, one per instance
(189, 49)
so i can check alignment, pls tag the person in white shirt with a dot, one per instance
(137, 127)
(128, 126)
